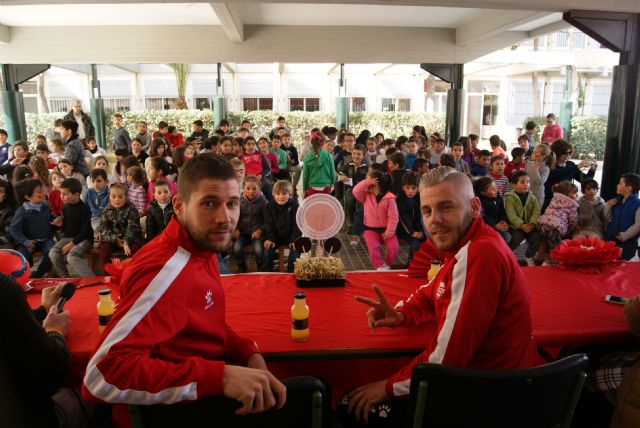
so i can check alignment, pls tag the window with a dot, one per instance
(60, 104)
(490, 110)
(600, 97)
(396, 104)
(160, 103)
(113, 104)
(202, 103)
(304, 104)
(521, 103)
(579, 40)
(358, 104)
(30, 96)
(253, 104)
(562, 39)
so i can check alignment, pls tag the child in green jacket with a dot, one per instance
(522, 211)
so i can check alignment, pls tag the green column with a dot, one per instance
(13, 112)
(96, 106)
(219, 111)
(342, 112)
(566, 106)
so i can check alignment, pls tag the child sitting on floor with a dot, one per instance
(161, 209)
(120, 225)
(31, 225)
(250, 224)
(410, 224)
(561, 216)
(97, 196)
(69, 254)
(591, 217)
(523, 212)
(280, 225)
(497, 174)
(493, 212)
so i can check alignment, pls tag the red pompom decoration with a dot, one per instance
(589, 255)
(115, 269)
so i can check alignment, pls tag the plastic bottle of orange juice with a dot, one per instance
(300, 317)
(106, 306)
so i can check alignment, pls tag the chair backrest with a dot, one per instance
(308, 405)
(539, 397)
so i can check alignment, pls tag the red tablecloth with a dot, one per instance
(567, 309)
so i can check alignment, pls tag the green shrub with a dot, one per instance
(391, 124)
(588, 136)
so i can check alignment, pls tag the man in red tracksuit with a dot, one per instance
(479, 298)
(168, 341)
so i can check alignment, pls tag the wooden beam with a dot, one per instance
(230, 21)
(203, 44)
(488, 24)
(550, 28)
(129, 68)
(629, 6)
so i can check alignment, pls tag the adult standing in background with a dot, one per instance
(85, 125)
(565, 169)
(73, 147)
(552, 131)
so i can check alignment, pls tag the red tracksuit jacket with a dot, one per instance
(168, 340)
(480, 302)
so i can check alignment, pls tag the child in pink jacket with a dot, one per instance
(380, 218)
(561, 216)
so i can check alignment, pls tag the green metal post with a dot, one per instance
(219, 103)
(97, 108)
(342, 102)
(342, 112)
(14, 120)
(219, 111)
(566, 106)
(12, 106)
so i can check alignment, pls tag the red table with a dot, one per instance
(567, 309)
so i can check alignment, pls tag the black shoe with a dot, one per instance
(242, 268)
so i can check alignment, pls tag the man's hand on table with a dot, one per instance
(256, 361)
(50, 296)
(363, 397)
(254, 388)
(381, 314)
(57, 322)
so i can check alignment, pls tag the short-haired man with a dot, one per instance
(479, 298)
(85, 124)
(169, 342)
(73, 147)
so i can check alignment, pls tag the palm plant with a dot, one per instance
(182, 78)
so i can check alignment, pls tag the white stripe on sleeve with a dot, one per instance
(94, 379)
(457, 292)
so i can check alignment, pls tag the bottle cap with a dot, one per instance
(104, 292)
(436, 262)
(300, 295)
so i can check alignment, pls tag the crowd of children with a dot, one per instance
(61, 208)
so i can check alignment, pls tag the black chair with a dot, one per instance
(308, 405)
(539, 397)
